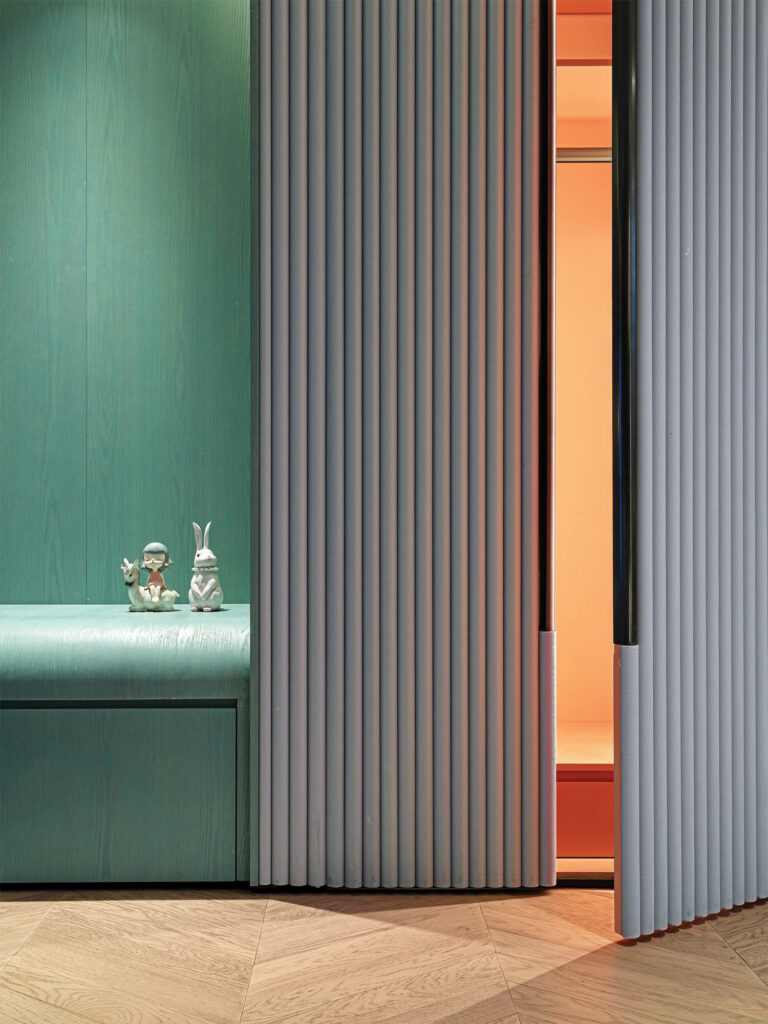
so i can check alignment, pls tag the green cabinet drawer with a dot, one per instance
(131, 794)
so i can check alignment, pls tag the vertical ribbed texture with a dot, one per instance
(694, 709)
(406, 692)
(265, 445)
(334, 441)
(761, 447)
(371, 441)
(278, 493)
(316, 356)
(297, 450)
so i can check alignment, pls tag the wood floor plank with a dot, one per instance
(651, 979)
(121, 937)
(569, 917)
(217, 918)
(184, 974)
(523, 958)
(564, 964)
(347, 968)
(308, 920)
(474, 1006)
(18, 921)
(745, 929)
(181, 956)
(406, 993)
(104, 1003)
(293, 925)
(699, 953)
(179, 895)
(568, 1001)
(16, 1008)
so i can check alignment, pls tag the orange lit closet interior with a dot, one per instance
(583, 495)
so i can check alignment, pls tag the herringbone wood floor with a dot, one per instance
(188, 956)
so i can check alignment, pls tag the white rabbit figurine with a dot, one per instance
(204, 591)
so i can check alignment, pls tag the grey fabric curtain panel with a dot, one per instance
(405, 669)
(693, 685)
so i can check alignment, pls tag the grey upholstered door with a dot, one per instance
(692, 491)
(406, 651)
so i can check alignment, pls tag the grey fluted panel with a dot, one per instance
(659, 478)
(738, 345)
(761, 449)
(353, 456)
(406, 423)
(711, 326)
(400, 342)
(692, 770)
(425, 841)
(316, 348)
(628, 797)
(297, 450)
(441, 452)
(725, 687)
(265, 448)
(688, 794)
(371, 441)
(388, 363)
(459, 445)
(279, 490)
(695, 489)
(530, 447)
(749, 170)
(477, 446)
(513, 347)
(644, 780)
(547, 755)
(334, 451)
(670, 373)
(494, 411)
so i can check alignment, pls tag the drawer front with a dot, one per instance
(117, 794)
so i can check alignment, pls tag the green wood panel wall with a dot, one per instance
(142, 398)
(168, 286)
(42, 299)
(117, 795)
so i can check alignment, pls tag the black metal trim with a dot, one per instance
(547, 364)
(624, 324)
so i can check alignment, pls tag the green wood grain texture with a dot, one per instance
(117, 795)
(243, 795)
(106, 653)
(168, 286)
(125, 313)
(42, 299)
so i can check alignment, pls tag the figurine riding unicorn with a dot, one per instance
(155, 597)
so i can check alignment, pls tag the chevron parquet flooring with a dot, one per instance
(225, 956)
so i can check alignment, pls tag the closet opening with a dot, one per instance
(583, 453)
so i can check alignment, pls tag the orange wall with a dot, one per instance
(583, 106)
(583, 516)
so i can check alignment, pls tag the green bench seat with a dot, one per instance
(123, 744)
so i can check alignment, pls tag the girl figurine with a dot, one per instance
(155, 558)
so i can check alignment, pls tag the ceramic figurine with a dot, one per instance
(155, 596)
(204, 590)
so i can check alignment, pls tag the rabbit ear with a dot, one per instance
(136, 563)
(205, 539)
(198, 536)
